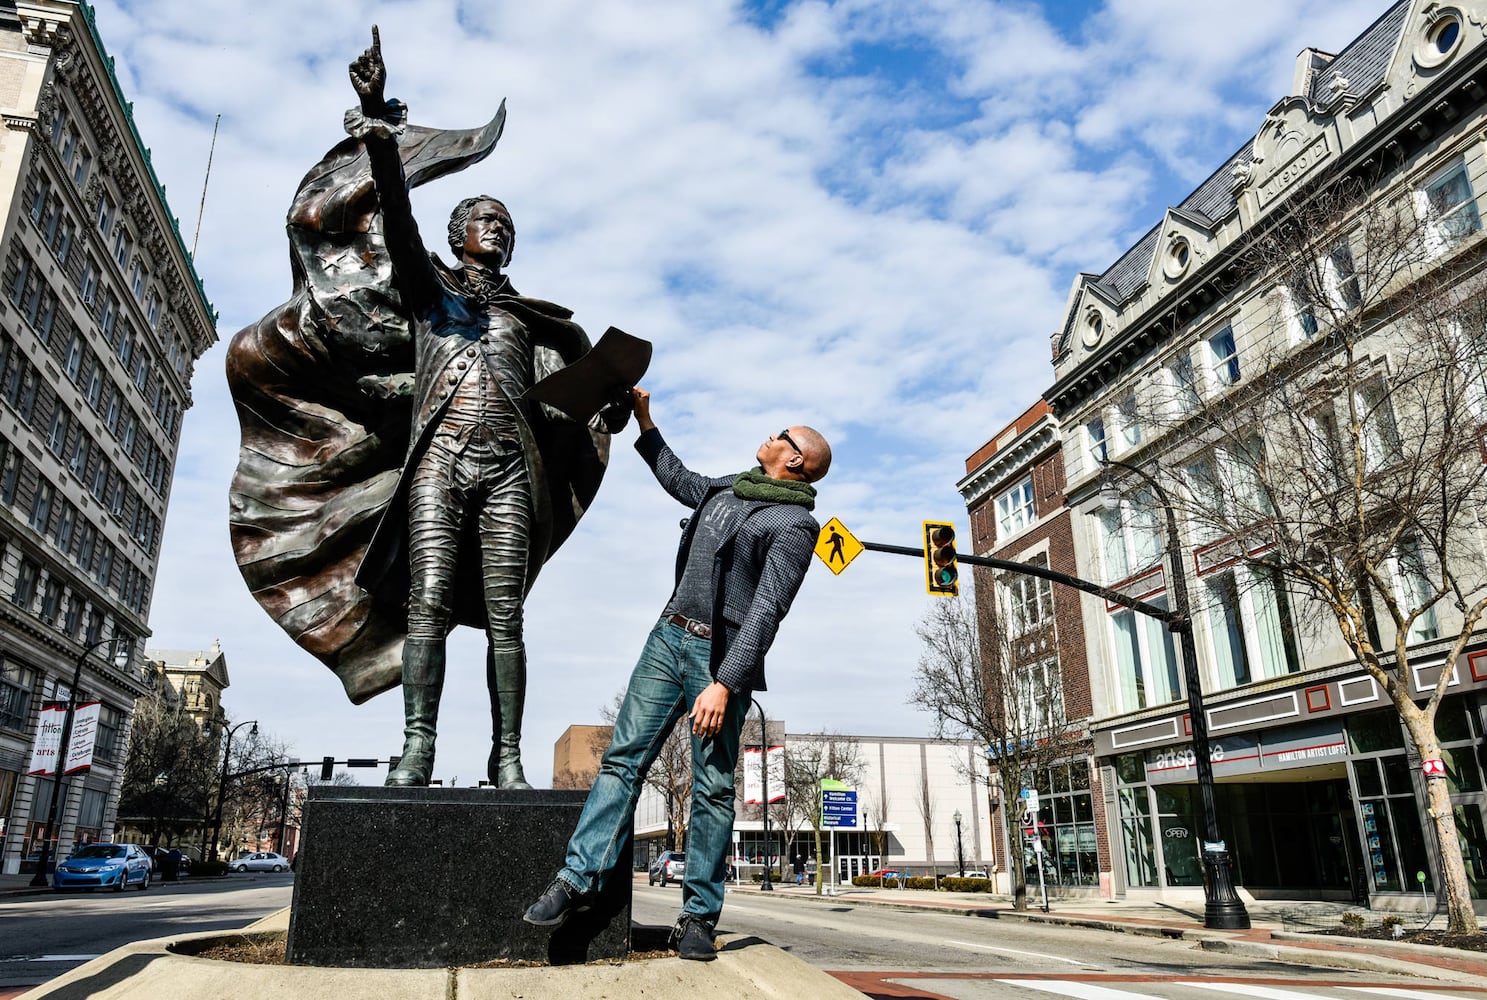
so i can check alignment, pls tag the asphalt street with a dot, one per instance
(890, 953)
(45, 935)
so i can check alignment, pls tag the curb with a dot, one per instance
(1340, 960)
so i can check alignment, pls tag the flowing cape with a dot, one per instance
(321, 456)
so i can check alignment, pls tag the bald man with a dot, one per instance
(744, 552)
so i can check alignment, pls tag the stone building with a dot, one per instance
(195, 678)
(1032, 636)
(1319, 791)
(102, 318)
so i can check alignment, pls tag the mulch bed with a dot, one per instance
(1438, 938)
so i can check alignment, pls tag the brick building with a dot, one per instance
(1032, 632)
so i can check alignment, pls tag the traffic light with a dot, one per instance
(327, 768)
(940, 575)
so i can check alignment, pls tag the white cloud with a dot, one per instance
(863, 215)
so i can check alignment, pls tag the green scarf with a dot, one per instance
(755, 485)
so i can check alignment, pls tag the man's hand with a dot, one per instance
(642, 403)
(707, 710)
(369, 77)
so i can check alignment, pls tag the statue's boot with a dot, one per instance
(423, 682)
(506, 676)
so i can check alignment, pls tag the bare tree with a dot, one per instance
(926, 806)
(808, 761)
(994, 685)
(168, 770)
(1344, 472)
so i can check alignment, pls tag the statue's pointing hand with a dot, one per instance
(369, 76)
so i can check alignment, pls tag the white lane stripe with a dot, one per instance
(62, 958)
(1014, 951)
(1391, 991)
(1080, 991)
(1250, 990)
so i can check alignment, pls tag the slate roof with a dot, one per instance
(1363, 64)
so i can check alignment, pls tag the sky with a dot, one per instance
(865, 216)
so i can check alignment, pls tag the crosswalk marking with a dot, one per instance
(1080, 991)
(1394, 991)
(1251, 990)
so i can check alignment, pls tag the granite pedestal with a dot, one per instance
(410, 878)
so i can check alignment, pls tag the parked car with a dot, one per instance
(262, 861)
(974, 873)
(668, 868)
(98, 866)
(888, 873)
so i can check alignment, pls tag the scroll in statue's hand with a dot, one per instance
(386, 386)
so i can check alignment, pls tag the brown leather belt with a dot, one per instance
(697, 628)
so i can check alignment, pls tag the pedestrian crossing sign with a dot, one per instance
(837, 546)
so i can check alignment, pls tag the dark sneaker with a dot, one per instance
(694, 939)
(559, 902)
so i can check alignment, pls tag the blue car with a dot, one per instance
(104, 866)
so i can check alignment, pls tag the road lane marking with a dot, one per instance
(1391, 991)
(1081, 991)
(1015, 951)
(63, 958)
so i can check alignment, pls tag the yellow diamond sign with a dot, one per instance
(837, 546)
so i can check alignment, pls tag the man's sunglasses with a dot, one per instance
(784, 436)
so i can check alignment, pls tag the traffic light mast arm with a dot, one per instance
(1175, 620)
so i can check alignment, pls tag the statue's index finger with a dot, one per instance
(376, 40)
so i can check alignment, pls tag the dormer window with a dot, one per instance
(1094, 327)
(1179, 255)
(1441, 38)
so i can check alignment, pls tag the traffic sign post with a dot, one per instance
(837, 547)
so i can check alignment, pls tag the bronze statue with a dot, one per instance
(392, 480)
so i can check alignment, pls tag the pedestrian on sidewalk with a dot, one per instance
(744, 552)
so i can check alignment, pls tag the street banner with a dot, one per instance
(84, 735)
(753, 779)
(49, 738)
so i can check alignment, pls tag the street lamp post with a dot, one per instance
(765, 884)
(222, 782)
(54, 814)
(960, 855)
(1223, 909)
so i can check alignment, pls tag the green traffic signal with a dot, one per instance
(940, 573)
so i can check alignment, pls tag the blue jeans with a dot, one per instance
(671, 673)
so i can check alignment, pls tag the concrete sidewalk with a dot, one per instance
(748, 966)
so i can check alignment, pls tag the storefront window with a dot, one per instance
(1065, 826)
(1177, 814)
(1393, 839)
(1473, 847)
(90, 816)
(1136, 843)
(1370, 732)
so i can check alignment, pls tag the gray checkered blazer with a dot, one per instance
(757, 572)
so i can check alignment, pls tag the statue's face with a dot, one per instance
(488, 234)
